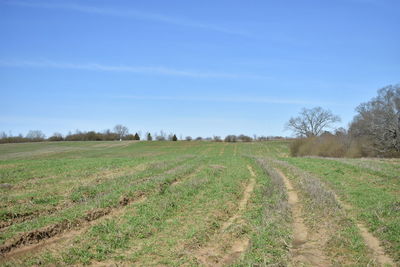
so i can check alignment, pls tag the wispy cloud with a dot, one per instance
(126, 13)
(261, 100)
(124, 68)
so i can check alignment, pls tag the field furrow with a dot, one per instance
(195, 203)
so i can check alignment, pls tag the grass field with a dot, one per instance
(194, 204)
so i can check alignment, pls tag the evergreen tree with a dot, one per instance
(149, 138)
(174, 138)
(137, 137)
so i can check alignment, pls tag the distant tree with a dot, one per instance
(160, 137)
(217, 138)
(244, 138)
(174, 138)
(378, 121)
(35, 135)
(121, 131)
(3, 135)
(137, 137)
(108, 135)
(93, 136)
(188, 138)
(149, 138)
(199, 138)
(56, 137)
(311, 122)
(230, 138)
(130, 137)
(262, 138)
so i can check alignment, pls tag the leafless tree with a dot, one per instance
(379, 120)
(312, 122)
(3, 135)
(35, 135)
(121, 130)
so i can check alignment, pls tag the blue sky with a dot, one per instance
(191, 67)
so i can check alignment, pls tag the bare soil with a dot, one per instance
(224, 248)
(307, 246)
(34, 240)
(370, 240)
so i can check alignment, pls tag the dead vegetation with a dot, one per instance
(306, 244)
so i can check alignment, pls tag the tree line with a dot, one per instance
(374, 131)
(121, 132)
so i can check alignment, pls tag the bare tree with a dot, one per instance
(35, 135)
(379, 120)
(121, 130)
(311, 122)
(3, 135)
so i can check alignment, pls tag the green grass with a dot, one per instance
(165, 202)
(373, 194)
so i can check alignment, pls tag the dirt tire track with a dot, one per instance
(306, 247)
(130, 171)
(370, 240)
(37, 239)
(30, 241)
(92, 218)
(223, 249)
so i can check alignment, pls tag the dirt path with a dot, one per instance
(370, 240)
(306, 247)
(224, 248)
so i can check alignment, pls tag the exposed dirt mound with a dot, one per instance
(97, 213)
(35, 236)
(12, 218)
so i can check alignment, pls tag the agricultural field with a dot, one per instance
(194, 204)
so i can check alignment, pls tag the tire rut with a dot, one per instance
(40, 238)
(370, 240)
(224, 248)
(306, 247)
